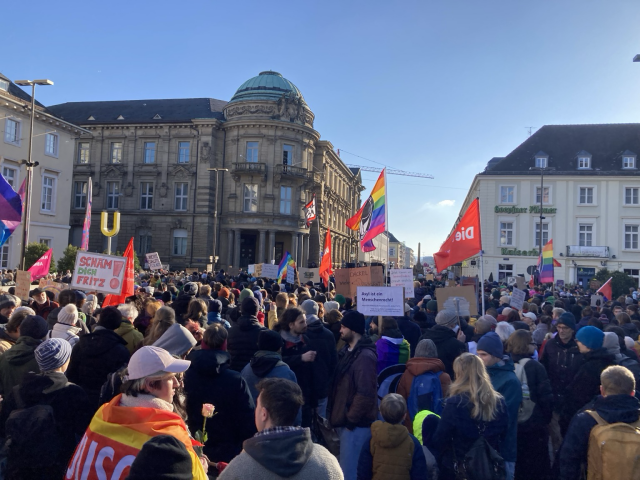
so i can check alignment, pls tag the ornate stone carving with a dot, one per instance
(163, 190)
(128, 190)
(177, 223)
(95, 192)
(113, 170)
(238, 110)
(206, 152)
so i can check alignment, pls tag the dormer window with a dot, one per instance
(584, 160)
(628, 161)
(4, 84)
(541, 162)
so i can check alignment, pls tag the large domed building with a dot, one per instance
(194, 178)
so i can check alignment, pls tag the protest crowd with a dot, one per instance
(210, 375)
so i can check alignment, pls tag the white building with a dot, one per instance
(379, 255)
(591, 203)
(52, 189)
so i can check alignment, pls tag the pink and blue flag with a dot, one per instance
(10, 210)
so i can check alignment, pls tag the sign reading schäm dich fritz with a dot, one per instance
(98, 272)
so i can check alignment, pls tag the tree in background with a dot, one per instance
(68, 260)
(620, 281)
(33, 252)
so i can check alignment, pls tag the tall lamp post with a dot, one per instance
(30, 164)
(215, 214)
(542, 170)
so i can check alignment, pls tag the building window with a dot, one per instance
(250, 197)
(634, 273)
(4, 254)
(146, 195)
(586, 196)
(505, 270)
(584, 163)
(631, 195)
(184, 152)
(11, 175)
(45, 241)
(116, 152)
(51, 141)
(545, 196)
(83, 152)
(252, 152)
(507, 194)
(631, 237)
(628, 162)
(545, 234)
(180, 242)
(144, 242)
(506, 233)
(585, 235)
(541, 162)
(113, 195)
(79, 194)
(4, 84)
(287, 154)
(285, 200)
(12, 131)
(47, 203)
(182, 191)
(149, 152)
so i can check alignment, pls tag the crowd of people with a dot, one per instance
(207, 375)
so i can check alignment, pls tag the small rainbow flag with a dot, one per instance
(287, 260)
(371, 218)
(546, 266)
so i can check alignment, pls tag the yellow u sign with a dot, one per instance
(104, 221)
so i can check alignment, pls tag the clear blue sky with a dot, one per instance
(438, 87)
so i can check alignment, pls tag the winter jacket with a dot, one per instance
(506, 383)
(181, 305)
(265, 364)
(210, 380)
(630, 330)
(130, 335)
(321, 341)
(410, 331)
(242, 342)
(449, 347)
(539, 333)
(44, 309)
(354, 397)
(391, 453)
(6, 340)
(65, 332)
(613, 409)
(16, 362)
(292, 352)
(457, 431)
(291, 455)
(71, 410)
(418, 366)
(335, 329)
(93, 358)
(392, 349)
(539, 393)
(52, 319)
(562, 362)
(214, 317)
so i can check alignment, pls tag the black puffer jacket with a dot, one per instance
(449, 347)
(562, 362)
(242, 342)
(323, 342)
(93, 358)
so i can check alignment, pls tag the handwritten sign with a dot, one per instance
(307, 274)
(291, 274)
(517, 298)
(23, 284)
(468, 292)
(94, 271)
(269, 270)
(251, 269)
(153, 259)
(387, 301)
(51, 286)
(403, 277)
(349, 279)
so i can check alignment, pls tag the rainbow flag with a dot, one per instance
(10, 210)
(371, 218)
(546, 265)
(287, 260)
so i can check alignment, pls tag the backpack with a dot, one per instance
(111, 387)
(425, 394)
(614, 450)
(527, 405)
(481, 462)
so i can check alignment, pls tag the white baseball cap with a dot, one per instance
(530, 315)
(151, 360)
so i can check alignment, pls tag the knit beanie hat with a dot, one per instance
(490, 342)
(223, 293)
(110, 318)
(340, 299)
(190, 289)
(249, 306)
(34, 326)
(310, 307)
(446, 318)
(176, 340)
(590, 337)
(328, 306)
(52, 354)
(258, 295)
(353, 320)
(567, 319)
(68, 314)
(245, 293)
(611, 342)
(163, 457)
(269, 340)
(432, 306)
(80, 295)
(426, 349)
(215, 306)
(7, 300)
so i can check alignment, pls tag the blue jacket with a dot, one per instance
(214, 317)
(505, 382)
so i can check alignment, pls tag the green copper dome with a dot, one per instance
(267, 85)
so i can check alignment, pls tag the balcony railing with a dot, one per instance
(291, 170)
(249, 168)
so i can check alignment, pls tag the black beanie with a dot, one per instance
(270, 340)
(162, 458)
(34, 326)
(353, 320)
(110, 318)
(249, 306)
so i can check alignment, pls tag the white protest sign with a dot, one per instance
(94, 271)
(381, 301)
(511, 281)
(307, 274)
(251, 269)
(597, 300)
(153, 259)
(517, 298)
(269, 270)
(403, 277)
(291, 274)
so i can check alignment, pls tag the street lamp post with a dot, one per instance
(542, 170)
(30, 164)
(215, 214)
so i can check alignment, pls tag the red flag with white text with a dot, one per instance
(465, 240)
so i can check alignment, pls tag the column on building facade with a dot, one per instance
(236, 248)
(272, 245)
(294, 245)
(299, 261)
(229, 257)
(305, 250)
(260, 258)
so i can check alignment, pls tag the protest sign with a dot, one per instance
(597, 300)
(153, 259)
(388, 301)
(349, 279)
(402, 277)
(520, 283)
(251, 269)
(467, 292)
(23, 284)
(307, 274)
(342, 282)
(190, 271)
(291, 274)
(517, 298)
(51, 286)
(429, 276)
(560, 283)
(103, 273)
(511, 281)
(257, 270)
(269, 271)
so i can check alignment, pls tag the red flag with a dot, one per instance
(325, 264)
(606, 290)
(41, 267)
(465, 240)
(22, 189)
(127, 283)
(532, 282)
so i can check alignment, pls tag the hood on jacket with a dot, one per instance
(281, 453)
(598, 354)
(439, 333)
(22, 351)
(393, 333)
(37, 385)
(618, 408)
(5, 336)
(387, 435)
(500, 368)
(248, 322)
(419, 365)
(209, 363)
(264, 361)
(100, 342)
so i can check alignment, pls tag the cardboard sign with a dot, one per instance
(251, 269)
(349, 279)
(517, 298)
(23, 284)
(153, 259)
(468, 292)
(307, 274)
(269, 271)
(520, 283)
(403, 277)
(387, 301)
(291, 274)
(51, 286)
(103, 273)
(343, 287)
(429, 276)
(257, 270)
(597, 300)
(191, 270)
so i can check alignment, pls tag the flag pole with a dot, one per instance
(386, 225)
(481, 257)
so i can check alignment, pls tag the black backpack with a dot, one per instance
(481, 462)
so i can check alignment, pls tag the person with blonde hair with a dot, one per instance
(472, 409)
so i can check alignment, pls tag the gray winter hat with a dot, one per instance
(426, 349)
(446, 318)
